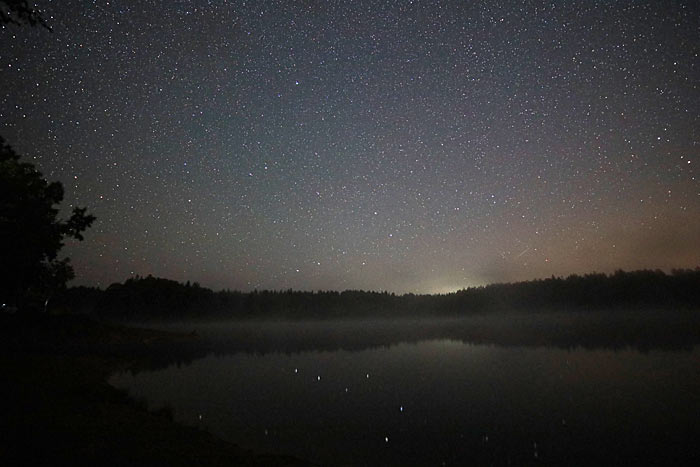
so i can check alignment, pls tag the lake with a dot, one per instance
(518, 391)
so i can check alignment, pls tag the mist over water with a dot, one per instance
(508, 389)
(643, 330)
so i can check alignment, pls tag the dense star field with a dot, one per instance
(416, 146)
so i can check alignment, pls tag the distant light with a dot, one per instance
(386, 439)
(318, 378)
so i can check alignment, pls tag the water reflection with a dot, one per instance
(431, 401)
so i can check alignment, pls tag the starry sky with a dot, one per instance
(420, 146)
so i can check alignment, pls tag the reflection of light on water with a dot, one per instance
(451, 343)
(453, 389)
(449, 348)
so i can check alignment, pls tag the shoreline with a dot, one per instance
(59, 409)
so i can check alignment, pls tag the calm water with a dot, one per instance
(437, 401)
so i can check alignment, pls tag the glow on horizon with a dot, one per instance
(448, 288)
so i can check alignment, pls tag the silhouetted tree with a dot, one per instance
(20, 12)
(31, 235)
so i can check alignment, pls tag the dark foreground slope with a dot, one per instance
(57, 408)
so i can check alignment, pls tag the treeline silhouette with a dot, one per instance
(145, 298)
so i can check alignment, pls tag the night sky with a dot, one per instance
(420, 146)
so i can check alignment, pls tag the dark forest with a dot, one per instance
(145, 298)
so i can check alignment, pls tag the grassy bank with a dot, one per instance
(57, 408)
